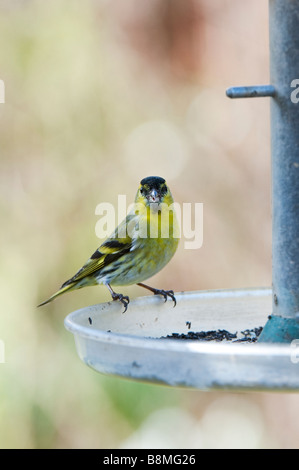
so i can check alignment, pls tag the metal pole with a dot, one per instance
(284, 69)
(257, 91)
(283, 324)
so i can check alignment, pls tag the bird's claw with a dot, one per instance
(165, 294)
(124, 299)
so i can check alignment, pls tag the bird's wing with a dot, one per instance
(117, 245)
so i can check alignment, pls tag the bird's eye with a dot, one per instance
(141, 190)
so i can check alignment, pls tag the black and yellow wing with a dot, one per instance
(108, 253)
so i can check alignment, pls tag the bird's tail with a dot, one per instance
(65, 287)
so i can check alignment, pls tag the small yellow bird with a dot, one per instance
(139, 247)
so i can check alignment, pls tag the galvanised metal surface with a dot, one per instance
(284, 68)
(256, 91)
(133, 345)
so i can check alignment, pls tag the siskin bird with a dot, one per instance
(142, 244)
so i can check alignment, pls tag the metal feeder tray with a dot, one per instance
(133, 345)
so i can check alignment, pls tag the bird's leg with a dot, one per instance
(165, 293)
(124, 299)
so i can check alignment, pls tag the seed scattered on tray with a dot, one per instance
(249, 335)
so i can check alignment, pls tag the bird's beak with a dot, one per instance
(153, 196)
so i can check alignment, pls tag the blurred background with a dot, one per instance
(98, 95)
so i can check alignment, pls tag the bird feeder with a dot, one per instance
(181, 347)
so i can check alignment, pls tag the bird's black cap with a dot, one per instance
(152, 181)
